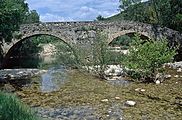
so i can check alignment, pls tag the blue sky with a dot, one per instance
(73, 10)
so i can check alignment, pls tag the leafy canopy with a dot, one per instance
(12, 14)
(147, 58)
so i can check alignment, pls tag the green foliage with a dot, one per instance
(100, 18)
(122, 41)
(11, 17)
(12, 109)
(12, 14)
(146, 59)
(31, 17)
(162, 12)
(97, 56)
(27, 52)
(100, 54)
(65, 55)
(32, 46)
(127, 3)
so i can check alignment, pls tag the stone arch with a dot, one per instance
(18, 42)
(124, 32)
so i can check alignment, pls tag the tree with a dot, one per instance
(176, 11)
(11, 16)
(145, 60)
(161, 12)
(100, 18)
(127, 3)
(31, 17)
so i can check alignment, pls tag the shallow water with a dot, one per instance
(53, 79)
(76, 95)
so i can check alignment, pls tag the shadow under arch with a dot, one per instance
(19, 43)
(112, 37)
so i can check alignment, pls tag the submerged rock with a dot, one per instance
(68, 113)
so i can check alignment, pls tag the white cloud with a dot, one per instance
(53, 18)
(66, 10)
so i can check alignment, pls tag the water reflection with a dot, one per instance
(53, 79)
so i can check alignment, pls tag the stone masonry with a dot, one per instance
(84, 33)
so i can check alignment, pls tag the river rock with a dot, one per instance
(168, 76)
(104, 100)
(16, 74)
(113, 70)
(142, 90)
(159, 78)
(137, 89)
(117, 98)
(176, 76)
(179, 70)
(130, 103)
(157, 82)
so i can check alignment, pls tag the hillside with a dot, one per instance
(123, 15)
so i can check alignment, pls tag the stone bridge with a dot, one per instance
(84, 33)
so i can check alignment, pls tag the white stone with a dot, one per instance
(130, 103)
(117, 98)
(104, 100)
(179, 70)
(21, 72)
(157, 82)
(109, 111)
(168, 76)
(176, 76)
(137, 89)
(143, 90)
(11, 76)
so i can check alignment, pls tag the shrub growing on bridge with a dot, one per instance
(145, 59)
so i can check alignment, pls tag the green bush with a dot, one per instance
(145, 59)
(12, 109)
(65, 55)
(121, 41)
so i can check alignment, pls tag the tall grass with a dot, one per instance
(11, 108)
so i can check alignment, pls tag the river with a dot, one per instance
(63, 93)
